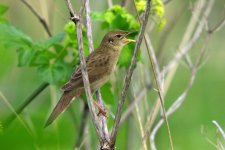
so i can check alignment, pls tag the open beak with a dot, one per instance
(125, 40)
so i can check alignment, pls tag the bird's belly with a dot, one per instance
(98, 83)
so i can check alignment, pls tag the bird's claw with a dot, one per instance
(103, 112)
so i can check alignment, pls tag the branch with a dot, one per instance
(82, 125)
(218, 26)
(219, 128)
(102, 119)
(42, 20)
(128, 76)
(135, 102)
(77, 21)
(26, 102)
(179, 101)
(171, 73)
(157, 79)
(44, 85)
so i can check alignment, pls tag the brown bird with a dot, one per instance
(100, 65)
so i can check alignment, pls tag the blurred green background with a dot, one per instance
(190, 126)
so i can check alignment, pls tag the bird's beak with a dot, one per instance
(125, 40)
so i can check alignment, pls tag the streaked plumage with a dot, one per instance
(100, 64)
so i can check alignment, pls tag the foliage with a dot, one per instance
(3, 10)
(157, 11)
(47, 56)
(114, 18)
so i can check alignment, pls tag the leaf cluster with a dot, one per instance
(116, 18)
(48, 56)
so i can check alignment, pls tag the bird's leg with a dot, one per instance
(101, 110)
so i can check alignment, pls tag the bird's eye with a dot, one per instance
(119, 36)
(111, 40)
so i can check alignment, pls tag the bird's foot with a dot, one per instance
(101, 110)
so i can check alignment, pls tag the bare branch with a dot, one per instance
(26, 102)
(218, 26)
(170, 75)
(128, 76)
(44, 85)
(158, 82)
(135, 102)
(219, 128)
(178, 102)
(157, 79)
(82, 125)
(77, 21)
(102, 119)
(42, 20)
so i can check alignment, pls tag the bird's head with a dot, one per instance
(116, 39)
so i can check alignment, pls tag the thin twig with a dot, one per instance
(26, 102)
(139, 119)
(42, 20)
(178, 102)
(102, 119)
(184, 48)
(128, 76)
(218, 26)
(77, 21)
(170, 75)
(82, 125)
(157, 79)
(219, 128)
(135, 102)
(17, 115)
(44, 85)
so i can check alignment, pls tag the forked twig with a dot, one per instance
(178, 102)
(77, 21)
(128, 76)
(157, 79)
(40, 18)
(102, 119)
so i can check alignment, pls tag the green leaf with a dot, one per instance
(45, 44)
(42, 57)
(70, 28)
(51, 73)
(25, 56)
(140, 5)
(3, 9)
(14, 38)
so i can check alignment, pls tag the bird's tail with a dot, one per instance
(61, 105)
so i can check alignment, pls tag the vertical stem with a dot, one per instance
(128, 76)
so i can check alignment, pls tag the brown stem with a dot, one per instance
(77, 21)
(128, 76)
(42, 20)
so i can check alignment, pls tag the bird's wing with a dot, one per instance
(97, 65)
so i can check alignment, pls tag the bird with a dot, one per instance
(100, 64)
